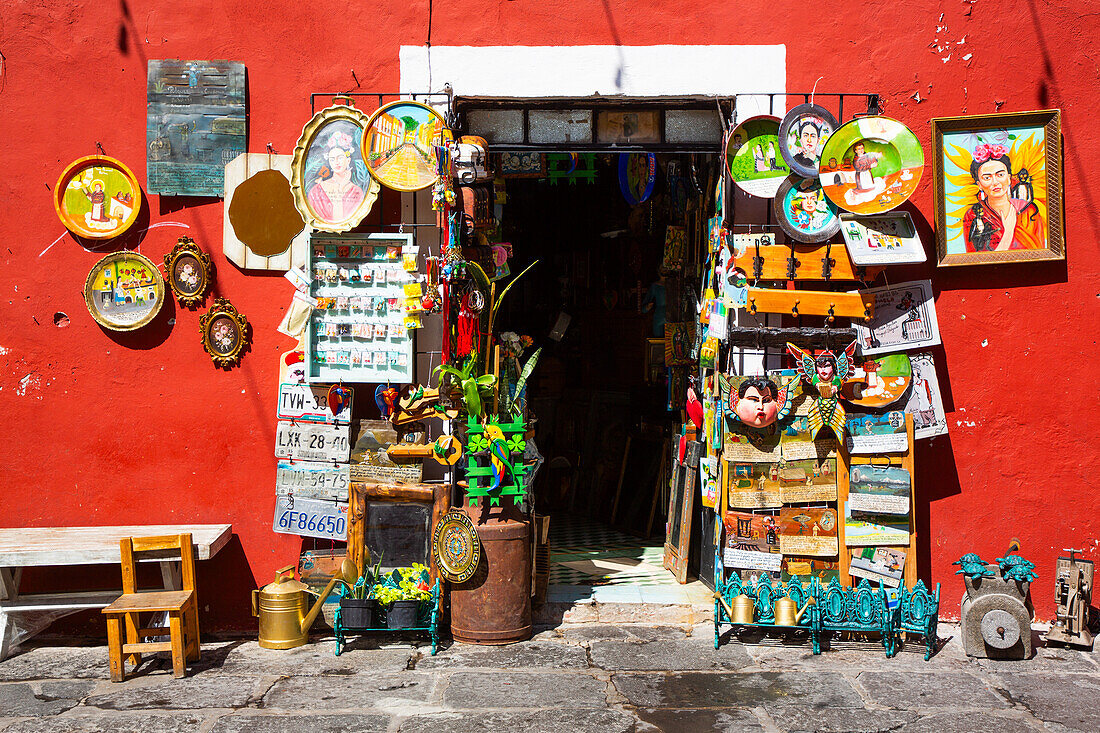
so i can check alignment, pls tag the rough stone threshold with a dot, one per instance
(680, 605)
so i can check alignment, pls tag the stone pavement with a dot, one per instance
(575, 678)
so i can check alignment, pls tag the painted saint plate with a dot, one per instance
(124, 291)
(803, 133)
(457, 547)
(399, 145)
(753, 158)
(329, 180)
(803, 212)
(887, 380)
(637, 176)
(871, 165)
(97, 197)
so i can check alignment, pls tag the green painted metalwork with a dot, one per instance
(479, 470)
(428, 616)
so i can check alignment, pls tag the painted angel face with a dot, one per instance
(825, 368)
(757, 409)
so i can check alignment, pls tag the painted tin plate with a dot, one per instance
(803, 133)
(97, 197)
(457, 547)
(753, 159)
(124, 291)
(887, 380)
(399, 145)
(637, 176)
(803, 212)
(871, 165)
(329, 180)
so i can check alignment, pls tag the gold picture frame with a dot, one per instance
(124, 291)
(224, 332)
(188, 272)
(332, 189)
(969, 229)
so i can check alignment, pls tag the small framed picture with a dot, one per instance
(224, 332)
(189, 271)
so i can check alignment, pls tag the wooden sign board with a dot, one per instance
(309, 402)
(806, 531)
(313, 480)
(313, 442)
(310, 518)
(260, 194)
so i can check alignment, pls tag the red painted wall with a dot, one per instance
(107, 428)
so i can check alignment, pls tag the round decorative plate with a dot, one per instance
(457, 547)
(97, 197)
(398, 145)
(802, 135)
(803, 212)
(637, 175)
(888, 379)
(124, 291)
(753, 159)
(870, 165)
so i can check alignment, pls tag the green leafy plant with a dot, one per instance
(365, 584)
(471, 387)
(522, 381)
(489, 290)
(403, 584)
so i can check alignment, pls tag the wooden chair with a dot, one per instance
(181, 606)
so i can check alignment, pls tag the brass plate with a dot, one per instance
(124, 291)
(457, 547)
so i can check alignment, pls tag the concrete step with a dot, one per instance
(687, 604)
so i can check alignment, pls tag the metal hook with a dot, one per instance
(99, 148)
(832, 314)
(794, 308)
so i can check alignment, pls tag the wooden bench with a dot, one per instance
(46, 546)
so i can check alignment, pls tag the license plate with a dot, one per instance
(310, 518)
(309, 402)
(313, 442)
(311, 480)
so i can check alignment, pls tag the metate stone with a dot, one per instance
(352, 692)
(680, 654)
(540, 721)
(41, 698)
(545, 654)
(736, 690)
(477, 690)
(929, 690)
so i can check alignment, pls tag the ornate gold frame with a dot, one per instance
(186, 246)
(297, 172)
(222, 307)
(101, 318)
(1051, 120)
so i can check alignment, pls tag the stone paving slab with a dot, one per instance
(599, 632)
(535, 654)
(57, 662)
(679, 654)
(479, 690)
(197, 692)
(1072, 700)
(103, 722)
(685, 721)
(918, 691)
(315, 659)
(313, 722)
(351, 692)
(736, 689)
(542, 721)
(42, 698)
(800, 719)
(1046, 660)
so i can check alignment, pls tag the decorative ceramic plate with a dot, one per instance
(753, 159)
(457, 547)
(398, 145)
(803, 133)
(888, 379)
(330, 183)
(637, 175)
(803, 212)
(97, 197)
(124, 291)
(870, 165)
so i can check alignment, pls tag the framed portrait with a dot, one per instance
(189, 270)
(399, 145)
(124, 291)
(329, 180)
(97, 197)
(998, 188)
(224, 332)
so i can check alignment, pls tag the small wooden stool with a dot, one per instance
(180, 605)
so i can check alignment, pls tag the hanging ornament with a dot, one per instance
(339, 397)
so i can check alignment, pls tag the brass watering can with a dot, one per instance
(742, 611)
(281, 607)
(785, 611)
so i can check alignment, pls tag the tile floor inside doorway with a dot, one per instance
(593, 560)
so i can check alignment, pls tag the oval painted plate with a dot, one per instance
(870, 165)
(97, 197)
(398, 145)
(888, 380)
(802, 135)
(803, 212)
(124, 291)
(753, 158)
(637, 176)
(457, 547)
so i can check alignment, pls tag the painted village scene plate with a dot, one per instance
(398, 145)
(871, 165)
(124, 291)
(753, 158)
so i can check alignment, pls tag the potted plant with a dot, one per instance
(358, 604)
(401, 593)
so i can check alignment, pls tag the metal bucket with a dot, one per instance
(494, 606)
